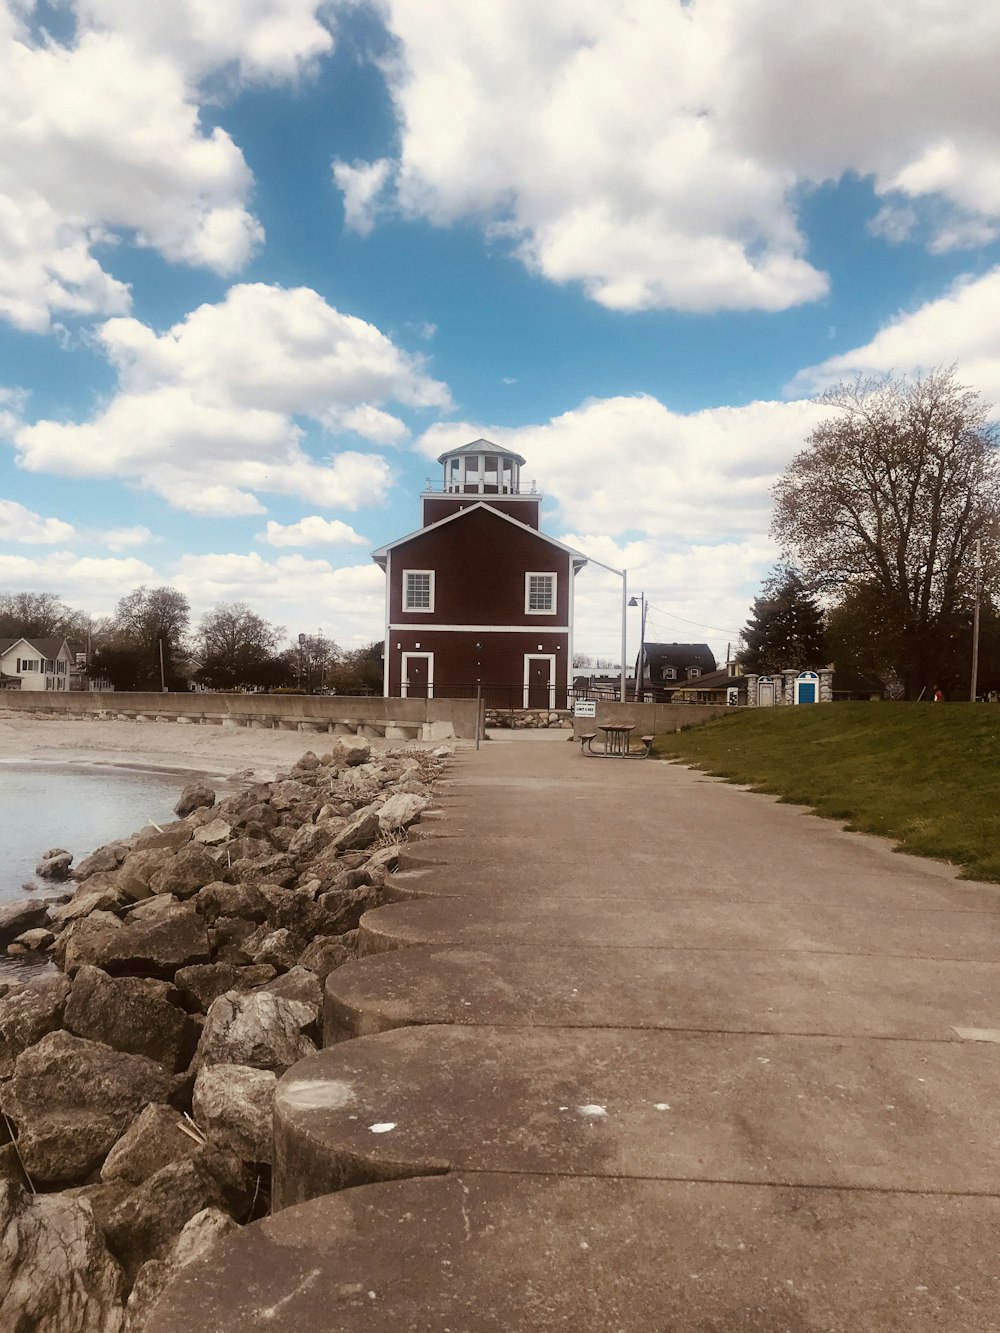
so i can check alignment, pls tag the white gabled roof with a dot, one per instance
(382, 553)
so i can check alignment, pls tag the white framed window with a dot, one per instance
(540, 594)
(418, 589)
(694, 673)
(669, 673)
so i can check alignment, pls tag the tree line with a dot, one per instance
(150, 640)
(889, 524)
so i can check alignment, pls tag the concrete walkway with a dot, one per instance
(636, 1050)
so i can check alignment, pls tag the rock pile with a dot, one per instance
(137, 1081)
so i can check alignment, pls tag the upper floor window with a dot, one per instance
(27, 664)
(418, 590)
(669, 673)
(694, 673)
(540, 594)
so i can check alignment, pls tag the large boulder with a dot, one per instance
(15, 918)
(168, 836)
(27, 1013)
(86, 900)
(196, 1238)
(146, 1224)
(328, 952)
(400, 811)
(134, 1014)
(152, 1141)
(55, 864)
(220, 899)
(96, 923)
(70, 1099)
(275, 868)
(195, 796)
(138, 869)
(214, 833)
(184, 873)
(204, 982)
(234, 1105)
(351, 751)
(56, 1275)
(155, 945)
(298, 983)
(343, 909)
(359, 832)
(104, 860)
(257, 1029)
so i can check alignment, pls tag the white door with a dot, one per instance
(418, 676)
(765, 692)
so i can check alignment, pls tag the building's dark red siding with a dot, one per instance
(499, 662)
(524, 508)
(480, 563)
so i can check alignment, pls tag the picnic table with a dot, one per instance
(617, 742)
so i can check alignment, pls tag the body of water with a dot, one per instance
(76, 806)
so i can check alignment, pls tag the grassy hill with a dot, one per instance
(925, 775)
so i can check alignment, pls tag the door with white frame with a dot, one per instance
(765, 692)
(417, 681)
(539, 680)
(807, 688)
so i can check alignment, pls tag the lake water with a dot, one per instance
(79, 807)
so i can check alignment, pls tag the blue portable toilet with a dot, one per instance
(807, 687)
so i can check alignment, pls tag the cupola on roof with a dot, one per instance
(483, 468)
(481, 446)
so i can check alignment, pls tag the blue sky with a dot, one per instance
(261, 261)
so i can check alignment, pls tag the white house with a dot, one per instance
(36, 664)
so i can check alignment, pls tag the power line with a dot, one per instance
(734, 633)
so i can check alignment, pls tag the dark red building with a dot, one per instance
(478, 595)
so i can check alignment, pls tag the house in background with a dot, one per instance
(46, 664)
(661, 667)
(726, 686)
(36, 664)
(478, 596)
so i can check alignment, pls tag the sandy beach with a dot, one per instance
(216, 751)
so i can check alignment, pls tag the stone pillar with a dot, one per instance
(826, 687)
(752, 691)
(789, 677)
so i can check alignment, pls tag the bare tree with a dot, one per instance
(890, 495)
(236, 649)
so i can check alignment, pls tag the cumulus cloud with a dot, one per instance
(92, 583)
(206, 414)
(121, 539)
(691, 478)
(961, 326)
(303, 594)
(266, 40)
(657, 153)
(312, 531)
(363, 185)
(101, 141)
(22, 525)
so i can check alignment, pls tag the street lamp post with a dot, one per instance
(623, 575)
(642, 643)
(973, 686)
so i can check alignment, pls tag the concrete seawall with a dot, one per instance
(422, 719)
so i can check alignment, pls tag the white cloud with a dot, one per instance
(302, 594)
(616, 465)
(312, 531)
(19, 524)
(206, 413)
(656, 153)
(121, 539)
(363, 185)
(100, 139)
(88, 582)
(266, 40)
(962, 326)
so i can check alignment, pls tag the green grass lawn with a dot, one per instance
(925, 775)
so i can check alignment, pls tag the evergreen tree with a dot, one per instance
(785, 628)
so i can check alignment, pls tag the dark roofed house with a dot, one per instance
(663, 666)
(711, 688)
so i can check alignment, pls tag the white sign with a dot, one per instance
(733, 696)
(585, 708)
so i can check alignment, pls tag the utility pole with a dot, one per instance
(163, 679)
(642, 642)
(975, 625)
